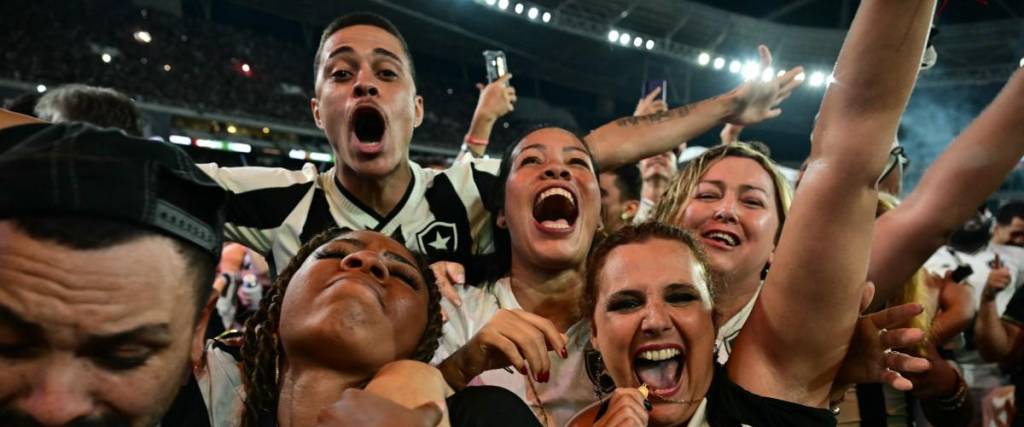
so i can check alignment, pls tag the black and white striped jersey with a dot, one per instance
(442, 214)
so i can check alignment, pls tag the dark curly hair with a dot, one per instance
(261, 346)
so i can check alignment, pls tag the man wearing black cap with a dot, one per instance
(107, 251)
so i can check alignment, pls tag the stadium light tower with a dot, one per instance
(703, 59)
(613, 36)
(719, 63)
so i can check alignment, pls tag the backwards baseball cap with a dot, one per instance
(81, 170)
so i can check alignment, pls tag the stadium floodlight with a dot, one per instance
(801, 77)
(768, 74)
(719, 63)
(239, 147)
(246, 68)
(167, 67)
(735, 66)
(817, 79)
(649, 45)
(142, 36)
(106, 58)
(751, 70)
(502, 4)
(519, 8)
(624, 39)
(320, 157)
(41, 88)
(1022, 62)
(297, 154)
(613, 36)
(703, 59)
(266, 130)
(533, 13)
(546, 17)
(491, 2)
(210, 143)
(232, 129)
(637, 42)
(180, 140)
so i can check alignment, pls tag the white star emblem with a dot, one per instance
(439, 243)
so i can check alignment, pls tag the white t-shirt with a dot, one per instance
(569, 389)
(644, 212)
(945, 259)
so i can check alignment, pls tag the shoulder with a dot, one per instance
(248, 178)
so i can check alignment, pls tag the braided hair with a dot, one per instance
(262, 348)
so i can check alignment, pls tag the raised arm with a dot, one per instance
(629, 139)
(800, 328)
(960, 179)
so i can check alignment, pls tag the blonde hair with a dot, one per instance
(915, 289)
(676, 197)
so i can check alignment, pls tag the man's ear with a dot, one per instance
(629, 210)
(199, 333)
(314, 106)
(419, 112)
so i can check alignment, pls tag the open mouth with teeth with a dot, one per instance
(724, 238)
(368, 125)
(555, 209)
(659, 369)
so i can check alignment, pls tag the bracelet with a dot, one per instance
(475, 141)
(957, 399)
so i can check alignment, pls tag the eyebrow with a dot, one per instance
(359, 244)
(10, 317)
(544, 148)
(154, 335)
(379, 51)
(743, 187)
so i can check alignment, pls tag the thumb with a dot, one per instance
(429, 413)
(867, 296)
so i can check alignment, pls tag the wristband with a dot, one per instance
(475, 141)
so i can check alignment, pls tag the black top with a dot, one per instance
(730, 405)
(1015, 314)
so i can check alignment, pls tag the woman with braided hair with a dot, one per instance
(340, 339)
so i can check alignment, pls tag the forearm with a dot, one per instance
(874, 75)
(630, 139)
(480, 130)
(453, 369)
(990, 334)
(950, 323)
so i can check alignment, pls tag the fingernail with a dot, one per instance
(522, 370)
(564, 352)
(544, 377)
(647, 405)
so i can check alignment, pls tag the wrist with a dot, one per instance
(728, 105)
(451, 371)
(988, 295)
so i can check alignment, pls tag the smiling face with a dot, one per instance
(733, 212)
(355, 304)
(653, 324)
(552, 200)
(366, 100)
(92, 335)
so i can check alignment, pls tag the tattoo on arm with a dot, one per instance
(662, 116)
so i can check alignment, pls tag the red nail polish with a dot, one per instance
(544, 377)
(522, 370)
(564, 352)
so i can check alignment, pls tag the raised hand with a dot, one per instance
(758, 100)
(650, 104)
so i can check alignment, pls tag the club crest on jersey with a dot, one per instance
(438, 238)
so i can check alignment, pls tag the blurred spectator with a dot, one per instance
(620, 196)
(24, 103)
(96, 105)
(1009, 229)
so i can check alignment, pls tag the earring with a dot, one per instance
(596, 371)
